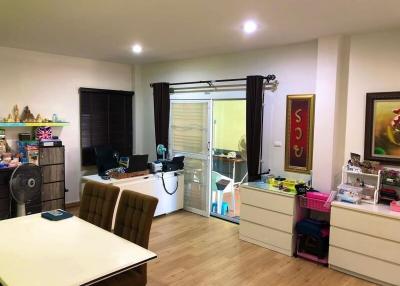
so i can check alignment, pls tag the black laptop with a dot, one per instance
(138, 163)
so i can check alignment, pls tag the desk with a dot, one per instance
(37, 252)
(151, 185)
(229, 160)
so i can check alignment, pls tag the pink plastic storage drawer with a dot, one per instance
(318, 196)
(315, 201)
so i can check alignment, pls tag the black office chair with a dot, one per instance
(106, 158)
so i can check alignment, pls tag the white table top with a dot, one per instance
(36, 252)
(96, 178)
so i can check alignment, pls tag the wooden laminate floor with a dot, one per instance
(194, 250)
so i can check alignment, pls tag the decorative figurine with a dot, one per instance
(15, 112)
(9, 118)
(39, 118)
(27, 115)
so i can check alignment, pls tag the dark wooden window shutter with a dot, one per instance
(105, 119)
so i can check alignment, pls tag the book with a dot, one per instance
(56, 215)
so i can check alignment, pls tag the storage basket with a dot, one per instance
(315, 204)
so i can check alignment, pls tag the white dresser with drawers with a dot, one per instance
(268, 217)
(365, 242)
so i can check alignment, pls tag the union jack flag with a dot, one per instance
(44, 133)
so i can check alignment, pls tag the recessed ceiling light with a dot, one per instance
(137, 49)
(250, 27)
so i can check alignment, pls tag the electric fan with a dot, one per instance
(161, 150)
(25, 184)
(242, 147)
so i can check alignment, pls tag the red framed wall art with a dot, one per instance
(299, 133)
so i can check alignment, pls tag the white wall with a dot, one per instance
(49, 84)
(330, 111)
(374, 67)
(293, 65)
(341, 70)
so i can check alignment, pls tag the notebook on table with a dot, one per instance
(56, 215)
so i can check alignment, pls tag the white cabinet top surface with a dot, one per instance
(264, 187)
(379, 209)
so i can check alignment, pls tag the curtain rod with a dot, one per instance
(232, 87)
(268, 78)
(266, 85)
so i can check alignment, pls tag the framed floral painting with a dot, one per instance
(382, 127)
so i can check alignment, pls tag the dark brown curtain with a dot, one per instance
(254, 125)
(161, 112)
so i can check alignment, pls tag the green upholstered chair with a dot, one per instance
(98, 204)
(133, 222)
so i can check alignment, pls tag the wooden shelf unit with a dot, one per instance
(52, 162)
(374, 180)
(32, 124)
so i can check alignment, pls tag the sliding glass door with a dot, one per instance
(190, 136)
(229, 165)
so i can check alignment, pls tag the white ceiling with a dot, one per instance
(178, 29)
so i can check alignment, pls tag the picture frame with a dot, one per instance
(299, 133)
(382, 127)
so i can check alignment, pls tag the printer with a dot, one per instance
(167, 165)
(156, 166)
